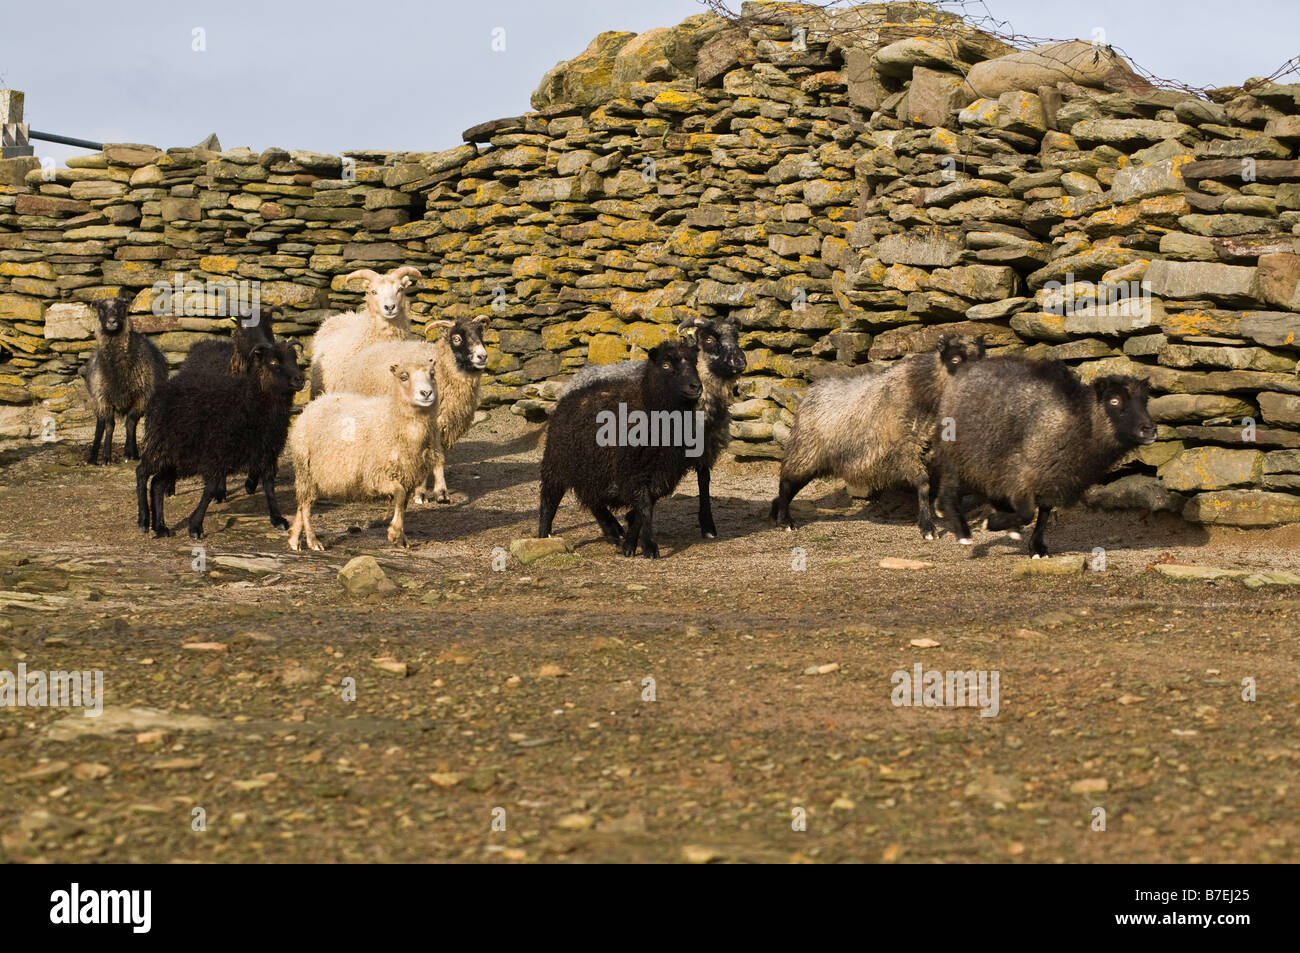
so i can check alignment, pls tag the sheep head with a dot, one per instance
(386, 294)
(465, 338)
(112, 315)
(415, 382)
(719, 344)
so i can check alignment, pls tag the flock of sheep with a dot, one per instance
(1023, 435)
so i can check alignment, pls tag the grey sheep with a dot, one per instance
(120, 378)
(874, 429)
(1029, 436)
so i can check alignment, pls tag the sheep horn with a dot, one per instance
(406, 271)
(365, 273)
(482, 319)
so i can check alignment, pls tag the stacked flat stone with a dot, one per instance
(848, 185)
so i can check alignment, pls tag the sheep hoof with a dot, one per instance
(196, 532)
(707, 535)
(162, 532)
(1015, 535)
(928, 537)
(650, 552)
(397, 537)
(441, 497)
(965, 541)
(279, 522)
(1036, 556)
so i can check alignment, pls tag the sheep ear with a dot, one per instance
(365, 273)
(392, 369)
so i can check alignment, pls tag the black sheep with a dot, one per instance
(607, 464)
(120, 377)
(720, 362)
(232, 357)
(1030, 436)
(213, 424)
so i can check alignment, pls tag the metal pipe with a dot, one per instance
(66, 140)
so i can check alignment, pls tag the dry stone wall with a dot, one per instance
(847, 185)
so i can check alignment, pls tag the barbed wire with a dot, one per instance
(970, 16)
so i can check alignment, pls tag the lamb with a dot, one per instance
(348, 446)
(343, 336)
(597, 444)
(1029, 435)
(721, 361)
(459, 359)
(874, 430)
(213, 424)
(121, 376)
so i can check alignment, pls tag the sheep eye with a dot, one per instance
(667, 366)
(406, 377)
(710, 340)
(456, 339)
(1115, 402)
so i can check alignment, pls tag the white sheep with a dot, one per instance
(386, 318)
(350, 447)
(459, 359)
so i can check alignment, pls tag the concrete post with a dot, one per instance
(13, 131)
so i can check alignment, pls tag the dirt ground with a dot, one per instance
(510, 716)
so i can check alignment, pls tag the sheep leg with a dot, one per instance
(707, 528)
(109, 423)
(1036, 544)
(272, 508)
(254, 478)
(645, 526)
(397, 528)
(551, 496)
(924, 512)
(609, 524)
(131, 452)
(157, 493)
(781, 505)
(950, 504)
(219, 494)
(1006, 518)
(196, 518)
(439, 482)
(142, 498)
(302, 527)
(93, 456)
(633, 535)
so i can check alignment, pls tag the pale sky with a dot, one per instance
(402, 74)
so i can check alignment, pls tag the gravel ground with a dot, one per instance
(588, 707)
